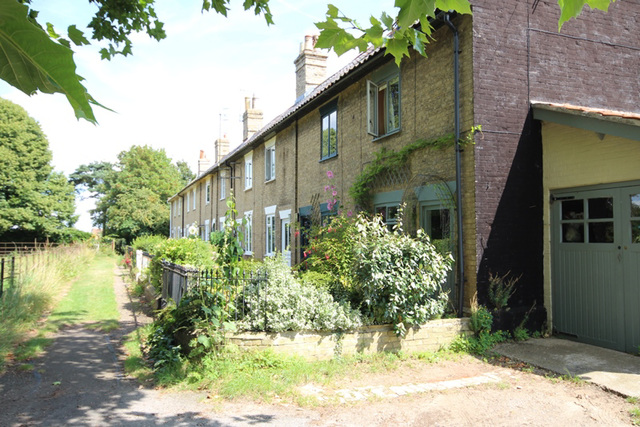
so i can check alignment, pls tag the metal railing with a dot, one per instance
(7, 248)
(240, 295)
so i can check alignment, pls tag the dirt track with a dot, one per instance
(80, 381)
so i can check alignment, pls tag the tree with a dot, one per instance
(41, 60)
(95, 179)
(131, 195)
(35, 202)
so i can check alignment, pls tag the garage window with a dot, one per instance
(588, 220)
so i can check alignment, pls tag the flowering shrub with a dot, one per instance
(286, 304)
(400, 276)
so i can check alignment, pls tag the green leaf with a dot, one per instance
(33, 62)
(460, 6)
(386, 20)
(332, 11)
(398, 47)
(572, 8)
(411, 11)
(77, 36)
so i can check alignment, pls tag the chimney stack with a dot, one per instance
(311, 67)
(203, 163)
(220, 148)
(251, 119)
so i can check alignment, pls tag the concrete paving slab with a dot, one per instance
(613, 370)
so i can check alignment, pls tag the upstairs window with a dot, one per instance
(383, 101)
(208, 193)
(329, 131)
(248, 171)
(187, 204)
(194, 199)
(270, 160)
(223, 185)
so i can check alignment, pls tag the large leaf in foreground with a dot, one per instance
(32, 62)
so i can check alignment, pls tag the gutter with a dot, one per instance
(456, 95)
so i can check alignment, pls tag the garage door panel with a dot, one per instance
(590, 295)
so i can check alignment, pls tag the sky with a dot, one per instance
(184, 92)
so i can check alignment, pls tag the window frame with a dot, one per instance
(223, 185)
(377, 114)
(270, 231)
(270, 160)
(207, 196)
(248, 233)
(248, 171)
(194, 198)
(326, 112)
(187, 204)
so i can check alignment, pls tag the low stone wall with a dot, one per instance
(431, 336)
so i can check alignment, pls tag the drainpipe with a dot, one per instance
(456, 102)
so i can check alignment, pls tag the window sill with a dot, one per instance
(248, 253)
(248, 188)
(378, 138)
(268, 181)
(328, 158)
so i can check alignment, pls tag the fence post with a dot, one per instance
(1, 277)
(13, 270)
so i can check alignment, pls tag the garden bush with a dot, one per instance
(190, 252)
(400, 276)
(288, 304)
(148, 243)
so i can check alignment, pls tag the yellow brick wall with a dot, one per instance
(432, 336)
(576, 158)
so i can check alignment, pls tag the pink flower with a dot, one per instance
(349, 213)
(326, 188)
(329, 174)
(335, 193)
(327, 256)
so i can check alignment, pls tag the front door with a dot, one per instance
(596, 265)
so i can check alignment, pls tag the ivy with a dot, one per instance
(389, 160)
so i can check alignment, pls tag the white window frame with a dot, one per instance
(221, 221)
(194, 199)
(180, 206)
(207, 196)
(270, 160)
(187, 201)
(248, 170)
(373, 89)
(206, 230)
(248, 233)
(270, 230)
(223, 185)
(285, 234)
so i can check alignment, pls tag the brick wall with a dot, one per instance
(518, 57)
(432, 336)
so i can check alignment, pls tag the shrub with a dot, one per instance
(287, 304)
(186, 252)
(501, 289)
(148, 243)
(400, 276)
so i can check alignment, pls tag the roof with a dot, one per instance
(625, 124)
(315, 95)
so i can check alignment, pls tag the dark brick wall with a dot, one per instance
(519, 57)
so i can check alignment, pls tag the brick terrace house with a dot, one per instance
(549, 190)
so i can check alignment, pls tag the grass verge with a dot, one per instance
(90, 299)
(263, 376)
(41, 281)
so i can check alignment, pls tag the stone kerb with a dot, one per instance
(431, 336)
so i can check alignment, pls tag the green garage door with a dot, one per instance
(596, 265)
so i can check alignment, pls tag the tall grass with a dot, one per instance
(41, 280)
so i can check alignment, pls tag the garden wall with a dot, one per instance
(431, 336)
